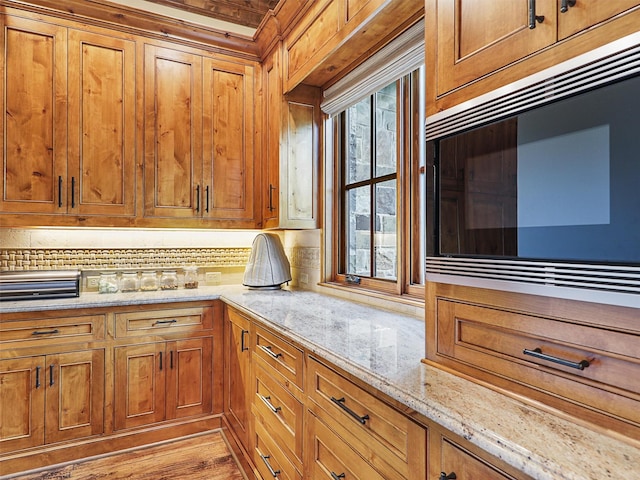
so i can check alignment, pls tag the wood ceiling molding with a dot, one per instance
(243, 12)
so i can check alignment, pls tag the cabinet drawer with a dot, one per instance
(452, 458)
(161, 322)
(269, 459)
(385, 437)
(588, 365)
(329, 457)
(36, 332)
(281, 413)
(285, 360)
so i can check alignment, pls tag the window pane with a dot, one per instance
(359, 231)
(358, 130)
(386, 148)
(386, 249)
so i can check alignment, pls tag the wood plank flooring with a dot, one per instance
(194, 458)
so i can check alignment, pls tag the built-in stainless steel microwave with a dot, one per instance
(536, 187)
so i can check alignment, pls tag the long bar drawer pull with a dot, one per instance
(46, 332)
(537, 352)
(340, 403)
(265, 459)
(270, 352)
(165, 322)
(37, 377)
(337, 477)
(267, 402)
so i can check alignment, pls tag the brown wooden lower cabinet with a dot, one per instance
(51, 398)
(162, 381)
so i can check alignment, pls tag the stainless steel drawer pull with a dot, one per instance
(165, 322)
(242, 344)
(337, 477)
(537, 353)
(268, 350)
(340, 403)
(265, 459)
(267, 402)
(46, 332)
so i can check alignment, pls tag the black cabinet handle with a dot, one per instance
(59, 191)
(197, 198)
(206, 192)
(337, 477)
(51, 380)
(565, 4)
(37, 377)
(46, 332)
(533, 18)
(444, 476)
(243, 347)
(537, 353)
(340, 403)
(271, 189)
(265, 459)
(268, 350)
(164, 322)
(171, 359)
(160, 361)
(73, 192)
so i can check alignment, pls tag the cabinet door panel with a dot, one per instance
(271, 152)
(236, 374)
(476, 38)
(22, 387)
(228, 141)
(189, 377)
(34, 117)
(102, 124)
(140, 377)
(587, 14)
(75, 395)
(173, 132)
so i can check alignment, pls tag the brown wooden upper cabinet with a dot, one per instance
(199, 137)
(68, 121)
(477, 38)
(292, 126)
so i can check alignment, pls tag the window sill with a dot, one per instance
(397, 303)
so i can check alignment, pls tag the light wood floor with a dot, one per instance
(201, 457)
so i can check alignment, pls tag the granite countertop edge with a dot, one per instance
(457, 404)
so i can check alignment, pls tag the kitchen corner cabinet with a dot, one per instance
(479, 39)
(199, 138)
(237, 369)
(292, 152)
(68, 121)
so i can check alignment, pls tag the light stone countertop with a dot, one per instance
(384, 349)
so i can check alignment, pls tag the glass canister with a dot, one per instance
(191, 277)
(169, 280)
(148, 281)
(129, 282)
(108, 283)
